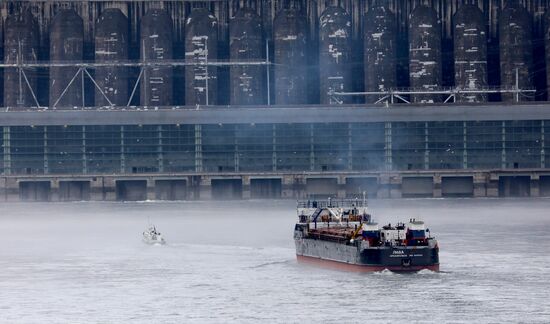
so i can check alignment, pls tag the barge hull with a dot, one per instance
(348, 256)
(337, 265)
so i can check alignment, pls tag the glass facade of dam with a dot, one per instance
(273, 147)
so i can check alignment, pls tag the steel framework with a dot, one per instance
(83, 72)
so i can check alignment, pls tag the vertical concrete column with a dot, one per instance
(300, 186)
(193, 186)
(205, 188)
(384, 186)
(4, 190)
(396, 181)
(480, 184)
(96, 189)
(46, 164)
(503, 139)
(122, 151)
(84, 159)
(341, 193)
(311, 148)
(108, 185)
(426, 147)
(388, 147)
(542, 152)
(274, 147)
(151, 189)
(465, 145)
(535, 185)
(11, 189)
(236, 154)
(294, 186)
(492, 185)
(437, 191)
(54, 190)
(7, 150)
(350, 148)
(198, 148)
(160, 150)
(286, 186)
(246, 187)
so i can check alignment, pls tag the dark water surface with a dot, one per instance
(235, 262)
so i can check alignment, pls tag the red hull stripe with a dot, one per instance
(361, 268)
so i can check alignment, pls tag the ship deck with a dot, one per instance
(335, 234)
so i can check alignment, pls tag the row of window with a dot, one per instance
(285, 147)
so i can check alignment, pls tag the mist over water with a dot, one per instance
(235, 262)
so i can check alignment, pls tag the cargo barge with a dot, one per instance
(340, 234)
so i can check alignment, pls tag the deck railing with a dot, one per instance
(332, 203)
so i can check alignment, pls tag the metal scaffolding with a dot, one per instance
(398, 94)
(84, 66)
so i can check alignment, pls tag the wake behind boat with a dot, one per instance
(152, 236)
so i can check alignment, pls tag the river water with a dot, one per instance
(234, 262)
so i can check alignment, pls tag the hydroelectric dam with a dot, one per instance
(233, 99)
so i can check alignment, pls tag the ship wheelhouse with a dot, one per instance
(416, 233)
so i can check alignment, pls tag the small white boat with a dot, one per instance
(152, 236)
